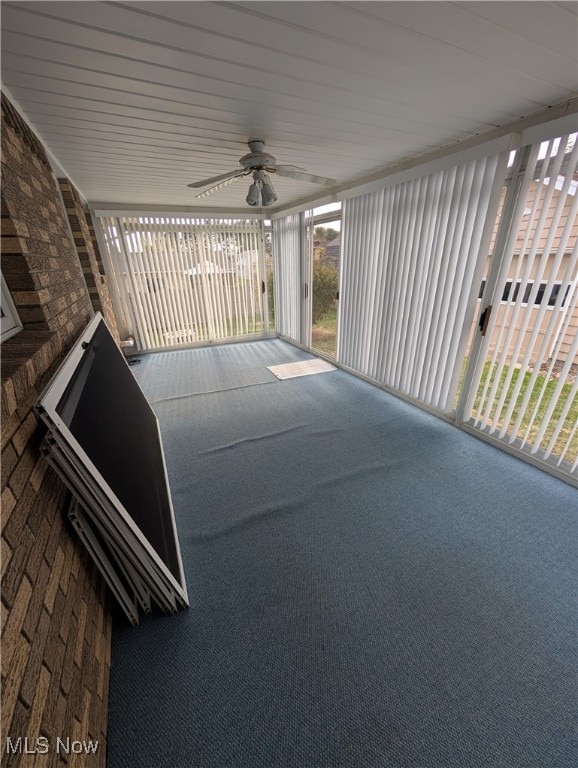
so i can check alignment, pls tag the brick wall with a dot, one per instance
(56, 623)
(88, 253)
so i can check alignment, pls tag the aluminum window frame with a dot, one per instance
(11, 322)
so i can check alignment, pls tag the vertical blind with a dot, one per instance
(412, 259)
(529, 371)
(287, 274)
(180, 280)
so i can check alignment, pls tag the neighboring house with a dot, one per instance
(530, 264)
(206, 268)
(246, 264)
(331, 255)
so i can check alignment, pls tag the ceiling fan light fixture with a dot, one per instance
(253, 194)
(268, 194)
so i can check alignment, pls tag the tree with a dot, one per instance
(325, 284)
(325, 234)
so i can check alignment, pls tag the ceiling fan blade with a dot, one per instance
(216, 179)
(289, 173)
(292, 168)
(220, 185)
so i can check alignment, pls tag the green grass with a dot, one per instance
(540, 383)
(324, 333)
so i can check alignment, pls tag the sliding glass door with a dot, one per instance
(522, 384)
(183, 280)
(325, 240)
(411, 271)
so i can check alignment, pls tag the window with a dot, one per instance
(509, 295)
(10, 321)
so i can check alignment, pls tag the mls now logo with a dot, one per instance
(24, 745)
(27, 746)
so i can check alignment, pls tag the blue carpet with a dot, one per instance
(370, 587)
(199, 371)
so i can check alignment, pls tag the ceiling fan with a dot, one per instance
(259, 163)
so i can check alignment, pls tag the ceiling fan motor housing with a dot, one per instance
(256, 158)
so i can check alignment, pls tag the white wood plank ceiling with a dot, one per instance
(135, 100)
